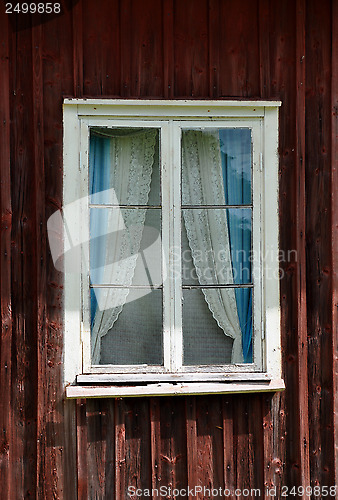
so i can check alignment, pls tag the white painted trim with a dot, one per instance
(180, 389)
(169, 117)
(125, 378)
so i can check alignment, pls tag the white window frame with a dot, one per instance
(80, 377)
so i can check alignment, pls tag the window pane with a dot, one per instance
(214, 319)
(204, 342)
(216, 167)
(216, 246)
(124, 167)
(127, 326)
(125, 246)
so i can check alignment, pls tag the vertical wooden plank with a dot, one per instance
(214, 48)
(125, 46)
(58, 80)
(248, 427)
(318, 247)
(101, 49)
(228, 445)
(110, 450)
(264, 44)
(96, 412)
(24, 272)
(5, 266)
(82, 440)
(168, 437)
(191, 48)
(274, 433)
(120, 449)
(147, 49)
(190, 412)
(239, 47)
(303, 472)
(44, 482)
(168, 49)
(334, 184)
(77, 49)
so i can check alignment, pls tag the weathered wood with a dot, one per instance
(334, 224)
(24, 372)
(77, 49)
(146, 48)
(81, 456)
(214, 48)
(125, 47)
(59, 415)
(168, 49)
(6, 417)
(191, 48)
(238, 46)
(190, 418)
(96, 413)
(303, 478)
(319, 253)
(228, 445)
(101, 67)
(168, 438)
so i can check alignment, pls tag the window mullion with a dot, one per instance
(175, 247)
(166, 267)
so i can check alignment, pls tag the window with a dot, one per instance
(170, 246)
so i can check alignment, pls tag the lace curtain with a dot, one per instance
(207, 229)
(120, 173)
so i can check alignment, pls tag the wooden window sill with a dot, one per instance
(167, 389)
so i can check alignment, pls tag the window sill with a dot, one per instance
(167, 389)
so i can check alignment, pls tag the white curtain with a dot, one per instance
(130, 161)
(207, 229)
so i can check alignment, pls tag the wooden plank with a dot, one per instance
(334, 184)
(191, 48)
(58, 79)
(77, 49)
(239, 45)
(190, 417)
(125, 47)
(248, 441)
(24, 388)
(264, 44)
(43, 478)
(77, 391)
(214, 48)
(120, 449)
(228, 445)
(101, 68)
(82, 440)
(318, 246)
(6, 416)
(96, 413)
(303, 472)
(168, 438)
(209, 452)
(146, 48)
(168, 49)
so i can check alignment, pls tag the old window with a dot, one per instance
(170, 246)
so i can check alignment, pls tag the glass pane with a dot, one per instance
(216, 246)
(127, 325)
(204, 342)
(125, 246)
(216, 167)
(124, 167)
(212, 319)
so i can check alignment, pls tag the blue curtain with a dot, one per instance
(235, 147)
(99, 183)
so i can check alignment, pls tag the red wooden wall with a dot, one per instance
(280, 49)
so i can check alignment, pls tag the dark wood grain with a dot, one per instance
(6, 417)
(334, 225)
(191, 49)
(318, 252)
